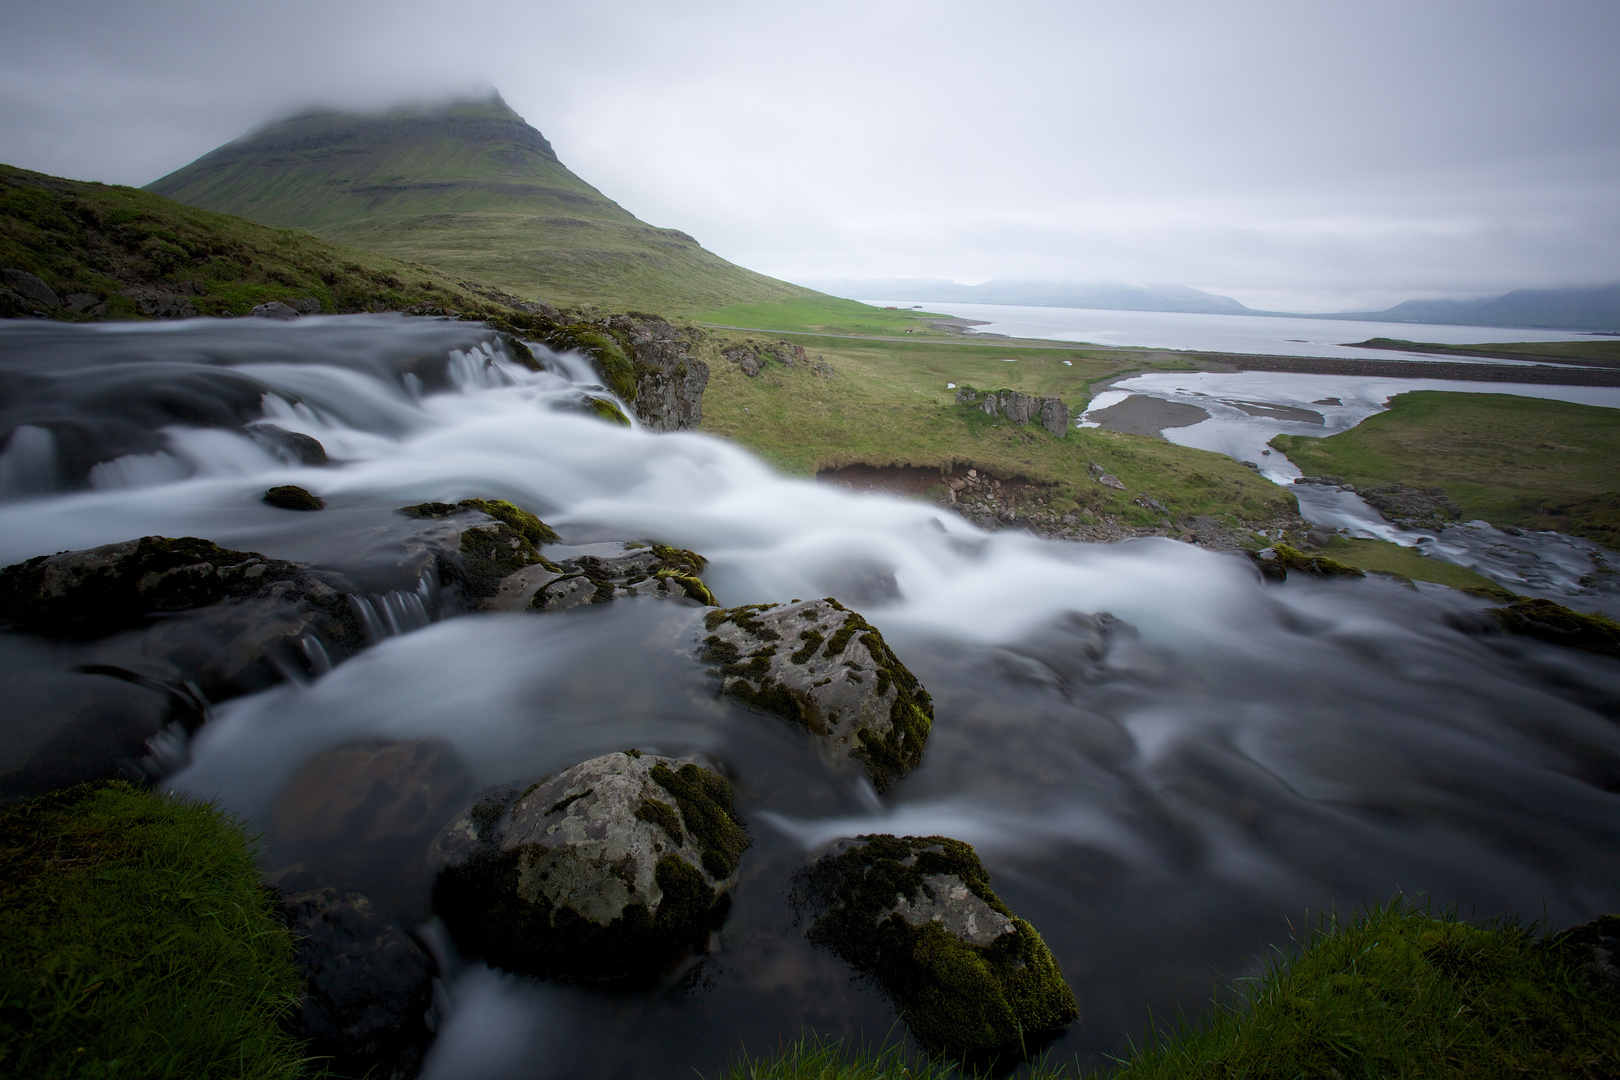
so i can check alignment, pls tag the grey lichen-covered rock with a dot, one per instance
(818, 664)
(1276, 562)
(617, 571)
(972, 980)
(608, 869)
(669, 380)
(364, 986)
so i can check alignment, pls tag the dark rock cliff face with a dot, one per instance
(669, 381)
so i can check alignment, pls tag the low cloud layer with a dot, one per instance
(1310, 156)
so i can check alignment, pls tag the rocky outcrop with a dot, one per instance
(26, 293)
(1018, 407)
(364, 986)
(819, 665)
(1409, 507)
(1559, 625)
(609, 869)
(971, 979)
(751, 357)
(621, 570)
(669, 380)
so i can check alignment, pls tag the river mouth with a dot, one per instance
(1163, 794)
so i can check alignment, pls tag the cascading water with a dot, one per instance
(1162, 793)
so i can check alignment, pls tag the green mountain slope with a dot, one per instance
(471, 189)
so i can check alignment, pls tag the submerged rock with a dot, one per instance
(609, 869)
(291, 447)
(820, 665)
(971, 979)
(360, 815)
(364, 986)
(619, 571)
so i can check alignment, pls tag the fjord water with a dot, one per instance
(1163, 793)
(1264, 334)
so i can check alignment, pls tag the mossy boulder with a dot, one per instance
(972, 980)
(293, 497)
(1547, 621)
(621, 570)
(819, 665)
(604, 409)
(610, 869)
(489, 551)
(1276, 562)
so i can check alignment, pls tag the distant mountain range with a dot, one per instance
(1582, 308)
(472, 189)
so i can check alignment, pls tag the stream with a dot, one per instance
(1164, 800)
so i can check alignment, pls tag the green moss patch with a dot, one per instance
(1278, 561)
(1400, 992)
(1547, 621)
(293, 497)
(961, 1000)
(137, 942)
(704, 798)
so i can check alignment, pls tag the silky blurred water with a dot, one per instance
(1163, 794)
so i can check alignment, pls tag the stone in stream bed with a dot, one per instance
(497, 540)
(609, 869)
(617, 571)
(820, 665)
(972, 980)
(1277, 561)
(364, 985)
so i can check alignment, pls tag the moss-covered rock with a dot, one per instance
(488, 553)
(293, 497)
(971, 979)
(98, 591)
(610, 869)
(1276, 562)
(822, 666)
(603, 409)
(1547, 621)
(633, 569)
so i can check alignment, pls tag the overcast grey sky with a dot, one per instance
(1291, 153)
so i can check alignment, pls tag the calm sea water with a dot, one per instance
(1220, 333)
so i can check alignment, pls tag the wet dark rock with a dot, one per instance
(275, 309)
(1554, 623)
(30, 287)
(819, 665)
(1598, 944)
(622, 571)
(360, 815)
(669, 380)
(971, 980)
(293, 497)
(365, 986)
(612, 868)
(490, 551)
(1275, 563)
(292, 447)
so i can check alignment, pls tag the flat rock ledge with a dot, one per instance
(820, 665)
(620, 570)
(609, 869)
(973, 981)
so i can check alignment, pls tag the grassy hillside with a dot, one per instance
(887, 403)
(124, 248)
(471, 189)
(1509, 460)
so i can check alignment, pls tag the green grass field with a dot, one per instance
(827, 315)
(1381, 556)
(1509, 460)
(888, 404)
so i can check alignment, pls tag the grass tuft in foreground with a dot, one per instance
(814, 1057)
(1400, 992)
(135, 941)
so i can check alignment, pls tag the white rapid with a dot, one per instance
(1159, 792)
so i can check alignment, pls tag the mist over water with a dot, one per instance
(1162, 793)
